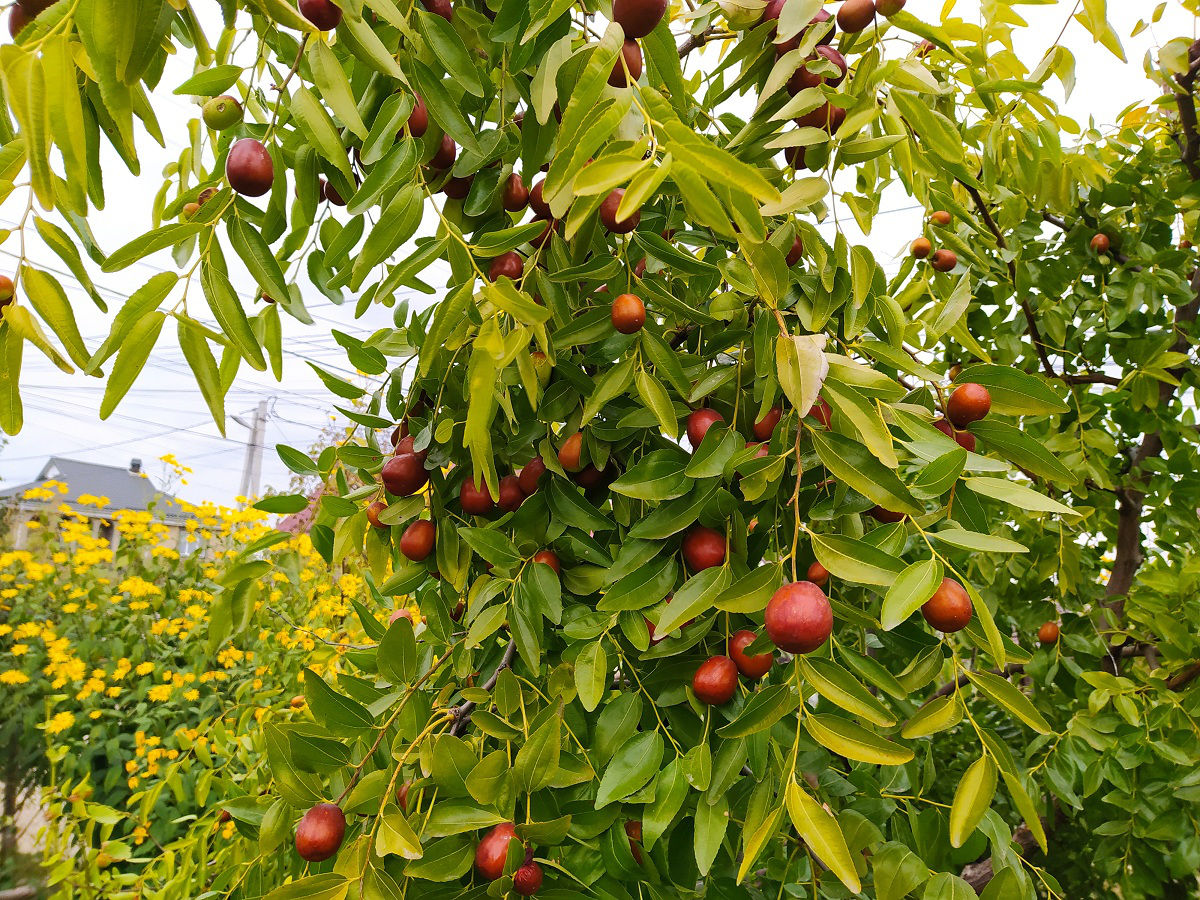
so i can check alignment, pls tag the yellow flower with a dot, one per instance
(131, 765)
(191, 695)
(60, 722)
(95, 714)
(20, 649)
(159, 693)
(113, 692)
(144, 668)
(69, 608)
(13, 676)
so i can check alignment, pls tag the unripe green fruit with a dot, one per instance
(223, 112)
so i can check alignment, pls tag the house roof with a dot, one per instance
(124, 488)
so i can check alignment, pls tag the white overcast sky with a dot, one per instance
(164, 412)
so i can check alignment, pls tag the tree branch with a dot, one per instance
(1184, 100)
(696, 40)
(462, 713)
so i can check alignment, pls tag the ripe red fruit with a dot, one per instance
(17, 20)
(249, 168)
(633, 830)
(822, 411)
(549, 558)
(940, 218)
(608, 214)
(418, 119)
(856, 15)
(537, 203)
(715, 682)
(322, 13)
(457, 188)
(417, 541)
(825, 116)
(531, 475)
(404, 474)
(944, 260)
(818, 574)
(407, 444)
(799, 618)
(631, 55)
(402, 795)
(805, 78)
(795, 253)
(966, 440)
(373, 512)
(1048, 633)
(889, 7)
(507, 265)
(446, 153)
(753, 667)
(511, 495)
(628, 314)
(703, 548)
(762, 449)
(492, 851)
(765, 427)
(440, 8)
(569, 453)
(516, 195)
(329, 192)
(7, 291)
(400, 614)
(699, 422)
(638, 18)
(949, 609)
(969, 403)
(320, 832)
(475, 498)
(944, 427)
(879, 514)
(1100, 243)
(527, 880)
(921, 248)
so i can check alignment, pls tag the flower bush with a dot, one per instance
(116, 700)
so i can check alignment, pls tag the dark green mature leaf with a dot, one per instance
(632, 766)
(852, 463)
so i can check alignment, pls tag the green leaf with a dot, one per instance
(696, 597)
(248, 243)
(1017, 495)
(1004, 693)
(227, 309)
(750, 593)
(591, 675)
(1017, 446)
(654, 397)
(656, 476)
(204, 366)
(855, 742)
(211, 82)
(537, 760)
(140, 304)
(449, 50)
(443, 108)
(851, 463)
(972, 798)
(330, 886)
(331, 709)
(1013, 392)
(130, 360)
(973, 540)
(317, 126)
(331, 81)
(151, 242)
(842, 689)
(897, 871)
(855, 560)
(670, 790)
(821, 832)
(865, 415)
(802, 368)
(711, 822)
(643, 587)
(395, 836)
(610, 385)
(936, 715)
(631, 768)
(767, 706)
(912, 588)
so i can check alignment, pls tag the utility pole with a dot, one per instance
(252, 468)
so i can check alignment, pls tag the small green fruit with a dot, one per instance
(221, 113)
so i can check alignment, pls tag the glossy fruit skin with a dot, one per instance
(417, 541)
(400, 614)
(631, 53)
(18, 18)
(752, 667)
(402, 795)
(475, 498)
(418, 119)
(921, 248)
(408, 444)
(329, 193)
(540, 207)
(516, 195)
(699, 422)
(531, 476)
(457, 188)
(493, 851)
(879, 514)
(765, 427)
(507, 265)
(949, 609)
(249, 168)
(569, 453)
(940, 218)
(527, 880)
(633, 830)
(441, 8)
(7, 289)
(321, 13)
(703, 548)
(320, 832)
(799, 618)
(715, 682)
(1100, 243)
(762, 449)
(373, 512)
(856, 15)
(447, 152)
(222, 112)
(944, 427)
(628, 314)
(548, 558)
(944, 260)
(1048, 633)
(796, 253)
(804, 78)
(190, 210)
(821, 411)
(889, 7)
(404, 474)
(608, 214)
(206, 195)
(638, 18)
(969, 403)
(828, 117)
(818, 574)
(511, 495)
(966, 440)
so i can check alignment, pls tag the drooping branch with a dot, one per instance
(462, 712)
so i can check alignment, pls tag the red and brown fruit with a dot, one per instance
(608, 214)
(699, 422)
(969, 403)
(822, 412)
(752, 667)
(715, 682)
(475, 497)
(703, 548)
(320, 832)
(416, 542)
(949, 609)
(404, 474)
(516, 195)
(921, 248)
(445, 155)
(418, 119)
(570, 453)
(324, 14)
(373, 512)
(1100, 243)
(799, 618)
(818, 574)
(943, 260)
(765, 427)
(628, 314)
(249, 168)
(531, 476)
(856, 15)
(511, 495)
(638, 18)
(548, 558)
(1048, 633)
(630, 59)
(507, 265)
(527, 880)
(492, 851)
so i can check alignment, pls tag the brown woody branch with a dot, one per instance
(1186, 103)
(462, 713)
(695, 41)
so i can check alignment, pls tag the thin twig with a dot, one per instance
(462, 713)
